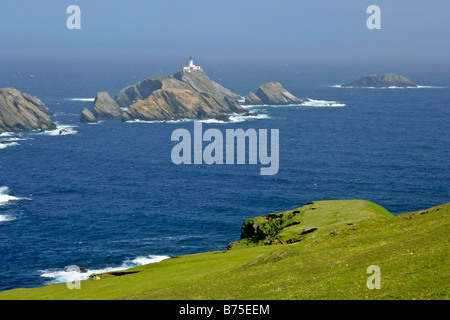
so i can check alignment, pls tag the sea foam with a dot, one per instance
(307, 103)
(6, 218)
(5, 198)
(65, 275)
(4, 146)
(391, 87)
(82, 99)
(322, 103)
(61, 130)
(234, 118)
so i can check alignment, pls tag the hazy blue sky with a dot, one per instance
(232, 30)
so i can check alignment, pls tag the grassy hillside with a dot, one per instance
(329, 263)
(295, 225)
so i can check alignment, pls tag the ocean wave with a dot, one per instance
(241, 118)
(160, 121)
(322, 103)
(5, 197)
(94, 123)
(68, 275)
(82, 99)
(391, 87)
(17, 138)
(61, 130)
(307, 103)
(234, 118)
(6, 218)
(430, 87)
(10, 139)
(6, 145)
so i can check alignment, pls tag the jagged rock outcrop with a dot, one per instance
(271, 93)
(253, 99)
(22, 112)
(195, 79)
(188, 94)
(105, 107)
(176, 103)
(87, 116)
(143, 89)
(381, 80)
(198, 80)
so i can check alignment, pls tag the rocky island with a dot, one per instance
(176, 103)
(381, 80)
(187, 94)
(271, 93)
(21, 112)
(104, 108)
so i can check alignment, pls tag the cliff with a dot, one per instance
(87, 116)
(143, 89)
(198, 80)
(184, 95)
(176, 103)
(382, 80)
(104, 108)
(22, 112)
(295, 225)
(271, 93)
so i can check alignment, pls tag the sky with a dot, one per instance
(245, 31)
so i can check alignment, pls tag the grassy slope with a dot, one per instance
(410, 249)
(318, 217)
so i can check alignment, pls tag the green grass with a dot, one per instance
(330, 263)
(316, 217)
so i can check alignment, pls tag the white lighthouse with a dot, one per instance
(191, 66)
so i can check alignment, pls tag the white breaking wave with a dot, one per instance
(6, 218)
(233, 119)
(11, 139)
(82, 99)
(5, 197)
(6, 145)
(160, 121)
(241, 118)
(59, 276)
(95, 123)
(238, 118)
(61, 130)
(391, 87)
(17, 138)
(307, 103)
(322, 103)
(430, 87)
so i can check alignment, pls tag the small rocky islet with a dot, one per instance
(381, 80)
(272, 93)
(20, 112)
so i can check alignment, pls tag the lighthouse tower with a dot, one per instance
(191, 66)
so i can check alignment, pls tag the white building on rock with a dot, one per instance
(191, 66)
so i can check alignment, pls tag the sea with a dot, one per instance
(107, 196)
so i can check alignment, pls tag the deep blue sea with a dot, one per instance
(107, 196)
